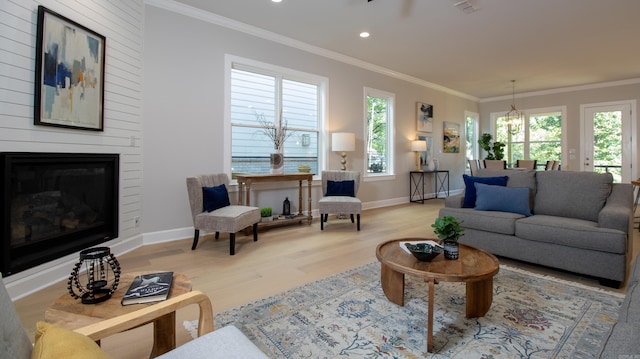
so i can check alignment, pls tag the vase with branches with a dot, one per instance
(278, 132)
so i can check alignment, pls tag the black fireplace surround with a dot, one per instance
(55, 204)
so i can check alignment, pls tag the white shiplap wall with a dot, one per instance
(121, 22)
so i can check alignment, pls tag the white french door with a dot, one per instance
(607, 139)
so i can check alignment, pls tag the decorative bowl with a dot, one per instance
(424, 252)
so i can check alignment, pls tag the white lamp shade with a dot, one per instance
(418, 146)
(343, 141)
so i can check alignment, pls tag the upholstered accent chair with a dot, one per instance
(339, 190)
(211, 209)
(495, 164)
(528, 164)
(55, 342)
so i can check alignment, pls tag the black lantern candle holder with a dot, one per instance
(95, 277)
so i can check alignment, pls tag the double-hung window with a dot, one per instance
(265, 99)
(379, 107)
(471, 136)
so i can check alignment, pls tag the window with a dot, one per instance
(379, 135)
(540, 137)
(471, 136)
(263, 98)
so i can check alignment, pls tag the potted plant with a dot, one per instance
(494, 151)
(266, 214)
(448, 229)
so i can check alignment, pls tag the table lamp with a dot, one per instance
(418, 146)
(343, 142)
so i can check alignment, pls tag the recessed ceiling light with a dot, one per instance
(276, 0)
(364, 34)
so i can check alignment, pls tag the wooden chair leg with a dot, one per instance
(232, 243)
(217, 235)
(196, 235)
(352, 218)
(358, 221)
(326, 217)
(255, 232)
(321, 221)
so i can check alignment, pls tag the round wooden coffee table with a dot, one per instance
(475, 267)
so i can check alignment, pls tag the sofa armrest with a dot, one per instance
(454, 201)
(105, 328)
(617, 212)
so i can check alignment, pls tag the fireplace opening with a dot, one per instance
(55, 204)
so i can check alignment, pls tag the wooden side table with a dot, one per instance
(244, 192)
(69, 313)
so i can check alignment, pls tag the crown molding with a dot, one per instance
(564, 90)
(205, 16)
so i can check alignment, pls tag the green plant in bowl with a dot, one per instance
(266, 212)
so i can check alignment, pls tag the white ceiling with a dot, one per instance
(542, 44)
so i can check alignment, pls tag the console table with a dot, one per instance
(244, 193)
(416, 184)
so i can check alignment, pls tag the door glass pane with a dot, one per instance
(607, 143)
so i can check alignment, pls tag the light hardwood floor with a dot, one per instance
(282, 258)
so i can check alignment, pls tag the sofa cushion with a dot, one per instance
(470, 189)
(621, 342)
(54, 342)
(571, 232)
(224, 343)
(517, 178)
(490, 221)
(341, 188)
(215, 197)
(572, 194)
(504, 199)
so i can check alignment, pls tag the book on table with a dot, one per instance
(146, 288)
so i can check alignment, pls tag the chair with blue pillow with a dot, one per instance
(212, 211)
(339, 190)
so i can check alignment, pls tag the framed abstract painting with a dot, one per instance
(69, 88)
(451, 137)
(424, 119)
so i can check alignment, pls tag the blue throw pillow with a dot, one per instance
(341, 188)
(503, 199)
(215, 197)
(470, 189)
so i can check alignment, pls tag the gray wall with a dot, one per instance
(184, 110)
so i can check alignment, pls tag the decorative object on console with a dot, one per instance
(343, 142)
(448, 229)
(266, 214)
(69, 89)
(418, 146)
(304, 168)
(514, 118)
(147, 288)
(286, 207)
(278, 132)
(102, 272)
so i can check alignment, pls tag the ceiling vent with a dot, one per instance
(465, 6)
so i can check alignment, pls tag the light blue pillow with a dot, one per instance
(503, 199)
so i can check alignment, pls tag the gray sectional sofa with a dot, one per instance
(623, 339)
(579, 222)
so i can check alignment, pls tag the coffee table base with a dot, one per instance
(479, 295)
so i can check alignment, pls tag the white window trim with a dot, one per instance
(539, 111)
(476, 130)
(390, 175)
(265, 68)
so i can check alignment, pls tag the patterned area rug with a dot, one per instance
(347, 315)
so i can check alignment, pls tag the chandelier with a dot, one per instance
(514, 118)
